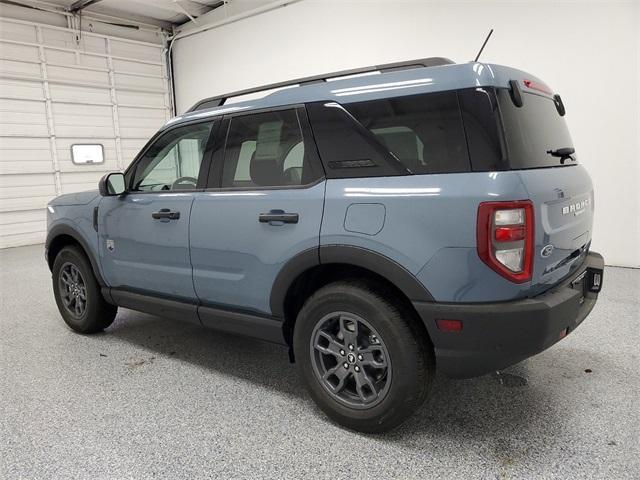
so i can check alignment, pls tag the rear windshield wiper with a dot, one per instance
(563, 154)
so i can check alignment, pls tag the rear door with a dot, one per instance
(263, 206)
(560, 189)
(144, 233)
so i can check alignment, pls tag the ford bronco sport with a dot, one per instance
(379, 222)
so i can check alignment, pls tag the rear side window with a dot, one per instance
(424, 132)
(532, 130)
(267, 150)
(481, 117)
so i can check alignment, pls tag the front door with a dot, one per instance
(263, 206)
(144, 233)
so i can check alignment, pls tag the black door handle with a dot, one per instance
(278, 216)
(165, 214)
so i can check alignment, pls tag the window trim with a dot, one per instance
(129, 173)
(214, 178)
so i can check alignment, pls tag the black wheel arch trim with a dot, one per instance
(347, 255)
(64, 229)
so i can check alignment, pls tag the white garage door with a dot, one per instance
(56, 91)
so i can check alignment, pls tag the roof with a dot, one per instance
(374, 86)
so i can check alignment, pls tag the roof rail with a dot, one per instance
(219, 100)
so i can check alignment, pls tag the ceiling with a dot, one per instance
(154, 12)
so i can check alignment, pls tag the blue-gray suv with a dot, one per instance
(379, 222)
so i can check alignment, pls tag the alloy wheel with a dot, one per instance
(73, 290)
(350, 360)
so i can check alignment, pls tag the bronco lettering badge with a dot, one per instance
(576, 208)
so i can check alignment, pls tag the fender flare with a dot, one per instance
(65, 229)
(347, 255)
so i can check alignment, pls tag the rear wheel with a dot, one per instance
(366, 361)
(77, 293)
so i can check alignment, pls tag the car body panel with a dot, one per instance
(427, 216)
(139, 252)
(235, 257)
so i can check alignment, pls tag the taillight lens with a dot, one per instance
(505, 238)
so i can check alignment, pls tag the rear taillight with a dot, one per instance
(505, 238)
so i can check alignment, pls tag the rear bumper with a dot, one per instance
(497, 335)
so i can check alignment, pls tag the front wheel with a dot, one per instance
(77, 293)
(366, 361)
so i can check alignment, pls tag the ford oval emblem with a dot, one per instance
(547, 251)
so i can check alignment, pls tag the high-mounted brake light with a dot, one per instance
(541, 87)
(505, 238)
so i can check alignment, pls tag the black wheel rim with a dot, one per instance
(350, 360)
(73, 290)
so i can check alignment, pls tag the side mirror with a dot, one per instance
(112, 184)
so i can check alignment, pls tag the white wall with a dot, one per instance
(587, 51)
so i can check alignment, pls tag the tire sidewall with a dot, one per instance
(71, 255)
(402, 355)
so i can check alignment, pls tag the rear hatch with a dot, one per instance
(539, 146)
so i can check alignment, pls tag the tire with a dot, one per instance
(386, 334)
(78, 295)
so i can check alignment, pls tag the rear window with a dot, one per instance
(532, 130)
(424, 132)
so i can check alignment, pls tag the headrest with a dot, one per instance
(264, 172)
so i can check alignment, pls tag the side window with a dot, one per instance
(424, 132)
(347, 149)
(267, 150)
(173, 161)
(481, 118)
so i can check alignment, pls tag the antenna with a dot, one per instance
(482, 47)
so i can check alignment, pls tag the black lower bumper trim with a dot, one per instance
(497, 335)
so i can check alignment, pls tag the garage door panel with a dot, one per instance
(134, 116)
(7, 167)
(20, 69)
(27, 191)
(80, 181)
(20, 228)
(127, 66)
(136, 51)
(76, 94)
(24, 181)
(77, 75)
(138, 82)
(8, 241)
(22, 90)
(26, 216)
(24, 203)
(66, 39)
(131, 148)
(89, 121)
(25, 155)
(154, 100)
(17, 31)
(68, 58)
(15, 51)
(23, 117)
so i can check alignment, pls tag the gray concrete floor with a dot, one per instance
(153, 398)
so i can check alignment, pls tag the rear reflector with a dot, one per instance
(449, 325)
(510, 234)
